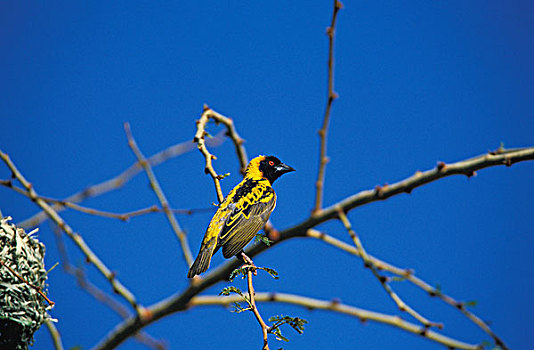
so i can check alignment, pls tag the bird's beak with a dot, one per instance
(283, 168)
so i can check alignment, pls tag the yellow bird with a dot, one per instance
(242, 213)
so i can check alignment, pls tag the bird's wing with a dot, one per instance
(247, 217)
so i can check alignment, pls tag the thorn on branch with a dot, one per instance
(508, 162)
(441, 166)
(471, 174)
(408, 272)
(378, 189)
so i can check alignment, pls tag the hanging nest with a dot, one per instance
(22, 307)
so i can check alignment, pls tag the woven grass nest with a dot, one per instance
(22, 275)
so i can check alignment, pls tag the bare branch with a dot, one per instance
(154, 184)
(467, 167)
(323, 158)
(119, 180)
(336, 306)
(201, 145)
(83, 282)
(368, 263)
(309, 303)
(179, 301)
(90, 257)
(254, 308)
(409, 275)
(91, 211)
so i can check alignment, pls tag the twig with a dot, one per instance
(368, 263)
(54, 334)
(161, 309)
(83, 209)
(409, 275)
(323, 158)
(83, 282)
(201, 145)
(254, 308)
(91, 211)
(336, 306)
(179, 301)
(154, 184)
(90, 257)
(37, 288)
(467, 167)
(119, 180)
(107, 214)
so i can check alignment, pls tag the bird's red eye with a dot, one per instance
(271, 163)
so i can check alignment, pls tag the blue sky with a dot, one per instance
(419, 82)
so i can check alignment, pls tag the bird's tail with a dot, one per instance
(202, 262)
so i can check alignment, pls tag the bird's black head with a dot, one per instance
(272, 168)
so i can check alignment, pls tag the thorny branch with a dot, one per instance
(180, 301)
(409, 275)
(336, 306)
(154, 184)
(83, 209)
(189, 297)
(83, 282)
(121, 179)
(97, 212)
(90, 257)
(201, 145)
(368, 263)
(332, 95)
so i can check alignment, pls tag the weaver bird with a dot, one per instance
(242, 213)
